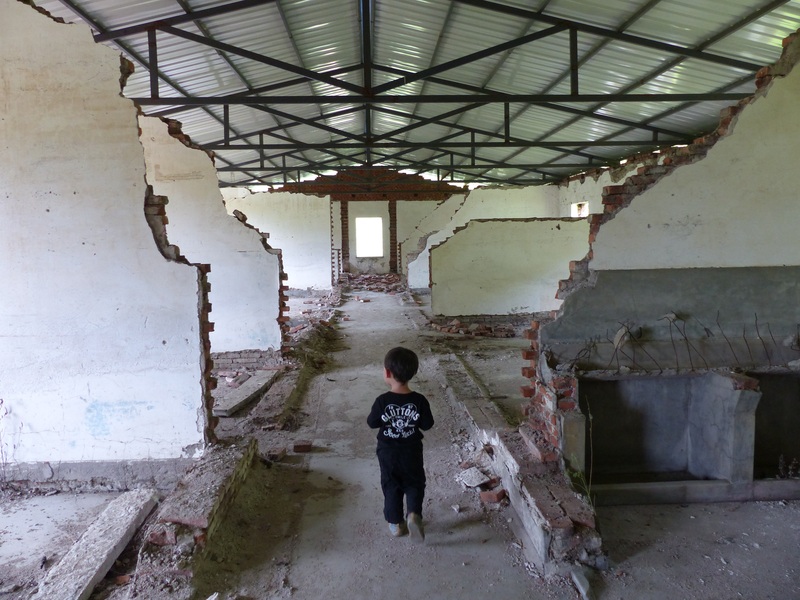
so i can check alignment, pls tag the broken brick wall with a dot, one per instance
(102, 356)
(298, 224)
(504, 267)
(692, 266)
(244, 276)
(480, 203)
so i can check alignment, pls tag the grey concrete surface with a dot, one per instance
(91, 556)
(323, 536)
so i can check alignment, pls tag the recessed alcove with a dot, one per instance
(679, 437)
(777, 429)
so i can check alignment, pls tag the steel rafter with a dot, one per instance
(370, 148)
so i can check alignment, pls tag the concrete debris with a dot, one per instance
(473, 477)
(455, 326)
(388, 283)
(90, 558)
(235, 382)
(230, 399)
(582, 583)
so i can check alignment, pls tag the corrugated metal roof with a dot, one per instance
(311, 86)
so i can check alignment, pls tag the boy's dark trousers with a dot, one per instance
(402, 474)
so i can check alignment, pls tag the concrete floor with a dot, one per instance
(333, 541)
(311, 526)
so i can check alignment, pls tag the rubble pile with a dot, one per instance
(504, 330)
(388, 283)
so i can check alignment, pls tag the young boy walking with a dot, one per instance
(401, 415)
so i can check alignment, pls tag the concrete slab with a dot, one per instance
(92, 555)
(37, 529)
(229, 400)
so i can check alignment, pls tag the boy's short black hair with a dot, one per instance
(402, 363)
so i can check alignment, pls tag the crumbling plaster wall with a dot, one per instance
(503, 267)
(102, 345)
(482, 203)
(589, 189)
(244, 277)
(416, 240)
(708, 242)
(298, 224)
(735, 208)
(409, 216)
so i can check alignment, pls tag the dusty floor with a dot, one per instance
(309, 526)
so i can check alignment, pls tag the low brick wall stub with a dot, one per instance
(556, 520)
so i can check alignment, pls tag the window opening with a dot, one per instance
(580, 209)
(369, 237)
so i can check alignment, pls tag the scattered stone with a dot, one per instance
(472, 477)
(582, 584)
(475, 329)
(238, 380)
(162, 535)
(276, 454)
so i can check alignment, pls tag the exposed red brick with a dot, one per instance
(493, 496)
(567, 405)
(303, 446)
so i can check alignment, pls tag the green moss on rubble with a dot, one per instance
(313, 355)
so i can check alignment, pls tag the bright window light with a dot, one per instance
(580, 209)
(369, 237)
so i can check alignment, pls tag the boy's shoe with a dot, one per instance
(415, 527)
(398, 529)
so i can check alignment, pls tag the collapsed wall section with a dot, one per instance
(245, 274)
(689, 272)
(103, 356)
(481, 203)
(298, 224)
(504, 267)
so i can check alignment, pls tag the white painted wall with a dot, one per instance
(298, 224)
(244, 277)
(737, 207)
(409, 216)
(416, 241)
(503, 267)
(590, 190)
(481, 203)
(101, 348)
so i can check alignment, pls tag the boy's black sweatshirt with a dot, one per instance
(400, 418)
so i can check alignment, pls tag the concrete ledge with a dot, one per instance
(559, 523)
(208, 489)
(228, 400)
(90, 558)
(482, 413)
(681, 492)
(94, 476)
(559, 527)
